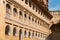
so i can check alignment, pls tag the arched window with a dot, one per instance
(20, 34)
(25, 33)
(30, 4)
(29, 18)
(15, 11)
(33, 19)
(14, 31)
(7, 30)
(25, 15)
(33, 6)
(20, 13)
(8, 8)
(29, 34)
(36, 34)
(26, 1)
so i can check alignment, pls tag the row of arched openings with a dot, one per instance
(30, 18)
(7, 32)
(8, 10)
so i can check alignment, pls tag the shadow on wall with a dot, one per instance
(55, 29)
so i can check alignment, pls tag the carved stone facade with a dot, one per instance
(24, 20)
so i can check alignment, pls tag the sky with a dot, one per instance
(54, 5)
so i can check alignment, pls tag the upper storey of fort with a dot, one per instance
(40, 4)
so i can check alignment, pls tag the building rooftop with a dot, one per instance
(54, 10)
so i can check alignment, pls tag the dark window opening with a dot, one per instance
(14, 31)
(29, 18)
(25, 33)
(15, 11)
(25, 15)
(8, 8)
(20, 34)
(26, 1)
(36, 34)
(7, 30)
(29, 34)
(21, 13)
(29, 3)
(32, 19)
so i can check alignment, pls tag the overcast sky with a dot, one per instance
(54, 5)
